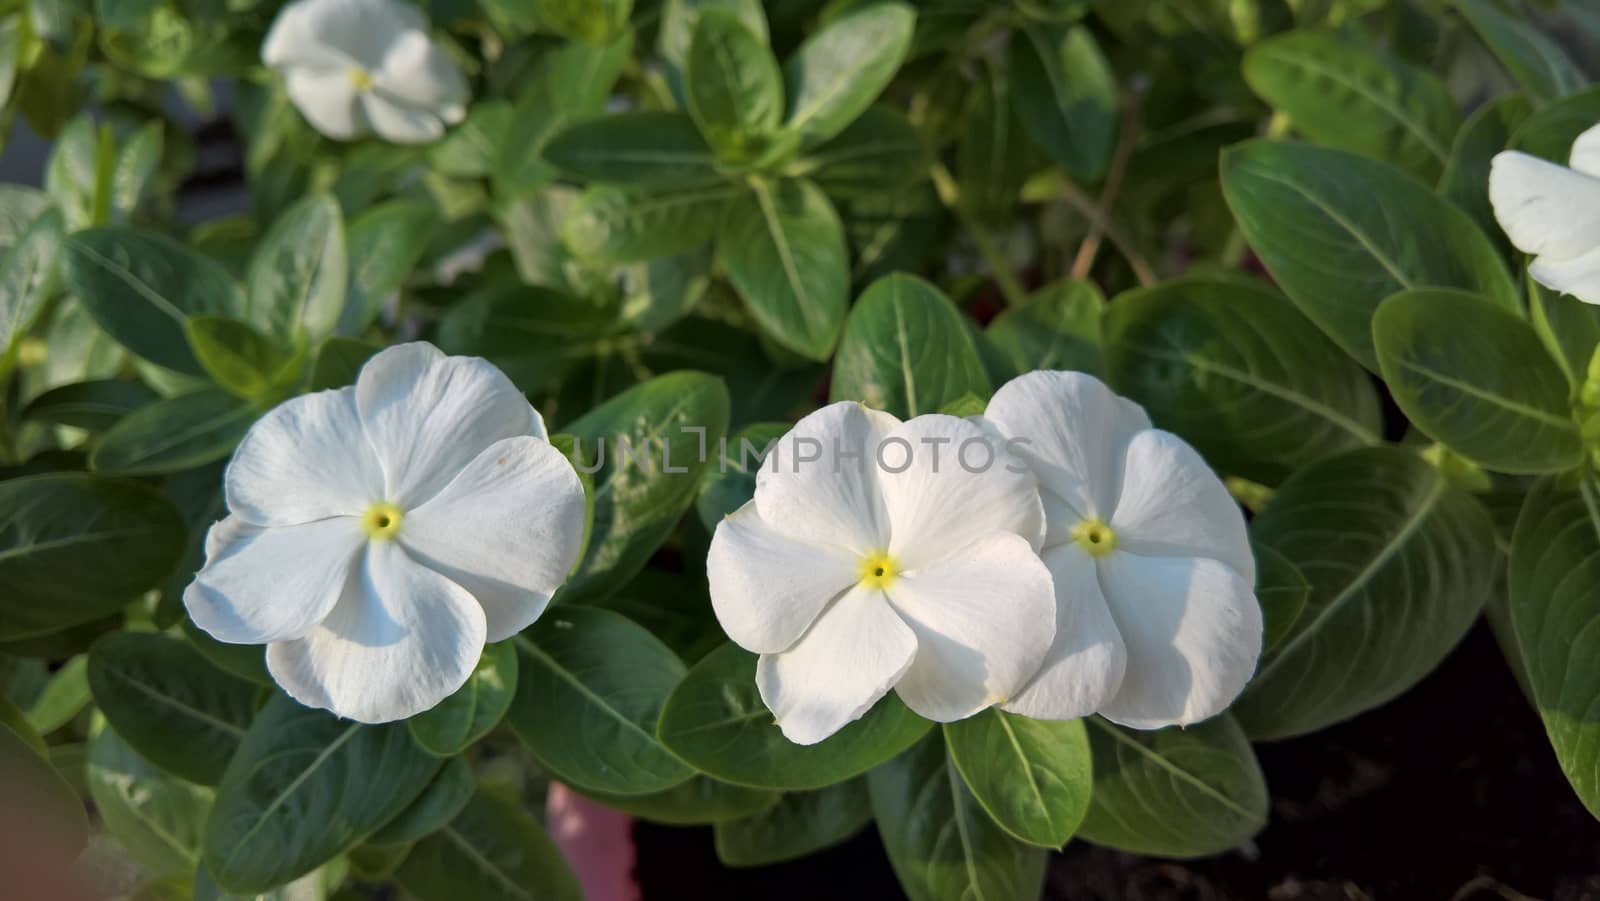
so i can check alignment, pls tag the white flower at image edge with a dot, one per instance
(851, 579)
(1157, 622)
(381, 533)
(1553, 212)
(355, 67)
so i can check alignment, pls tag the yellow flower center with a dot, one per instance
(361, 78)
(878, 570)
(382, 521)
(1094, 536)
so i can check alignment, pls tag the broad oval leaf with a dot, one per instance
(157, 817)
(844, 66)
(1065, 94)
(245, 362)
(1234, 368)
(678, 21)
(439, 803)
(1032, 776)
(800, 823)
(1410, 569)
(641, 147)
(93, 406)
(733, 85)
(297, 278)
(880, 152)
(906, 350)
(477, 707)
(1476, 378)
(173, 435)
(1338, 253)
(700, 801)
(492, 851)
(170, 703)
(304, 787)
(1282, 591)
(612, 224)
(591, 685)
(715, 721)
(1058, 328)
(1180, 793)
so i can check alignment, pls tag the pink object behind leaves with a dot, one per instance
(597, 842)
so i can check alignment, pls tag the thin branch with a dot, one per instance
(1132, 122)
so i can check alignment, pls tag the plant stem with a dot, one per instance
(1132, 120)
(1085, 205)
(999, 266)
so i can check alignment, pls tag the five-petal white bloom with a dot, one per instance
(880, 555)
(1156, 617)
(1553, 212)
(381, 533)
(354, 67)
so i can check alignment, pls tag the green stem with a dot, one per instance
(999, 266)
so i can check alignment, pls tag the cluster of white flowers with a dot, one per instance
(1094, 564)
(1553, 213)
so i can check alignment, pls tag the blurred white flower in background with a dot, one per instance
(1553, 212)
(357, 67)
(850, 579)
(381, 533)
(1156, 622)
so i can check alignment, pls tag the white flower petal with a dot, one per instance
(983, 618)
(767, 588)
(1084, 667)
(1586, 152)
(328, 100)
(399, 122)
(417, 73)
(1072, 430)
(262, 585)
(851, 656)
(428, 415)
(306, 459)
(1192, 628)
(1579, 276)
(508, 529)
(294, 40)
(360, 30)
(956, 487)
(401, 639)
(820, 481)
(1173, 505)
(1545, 209)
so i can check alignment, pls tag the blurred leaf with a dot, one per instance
(298, 273)
(570, 83)
(27, 280)
(173, 435)
(1533, 59)
(64, 697)
(906, 350)
(641, 147)
(1066, 96)
(612, 225)
(1568, 327)
(245, 362)
(136, 166)
(385, 243)
(1466, 177)
(733, 483)
(881, 151)
(1058, 328)
(842, 68)
(734, 88)
(678, 21)
(1282, 590)
(699, 801)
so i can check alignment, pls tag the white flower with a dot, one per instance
(1553, 212)
(354, 67)
(850, 578)
(1156, 620)
(380, 534)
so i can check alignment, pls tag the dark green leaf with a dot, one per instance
(339, 361)
(439, 803)
(1466, 177)
(1569, 328)
(678, 21)
(64, 697)
(1032, 776)
(801, 823)
(384, 245)
(734, 481)
(1535, 60)
(173, 435)
(879, 152)
(698, 802)
(1282, 590)
(491, 851)
(477, 707)
(906, 350)
(92, 406)
(641, 147)
(1058, 328)
(1066, 96)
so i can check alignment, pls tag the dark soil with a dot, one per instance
(1450, 792)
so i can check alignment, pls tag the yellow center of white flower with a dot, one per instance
(361, 78)
(382, 521)
(878, 570)
(1094, 536)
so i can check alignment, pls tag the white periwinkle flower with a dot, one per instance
(380, 534)
(1156, 621)
(1553, 212)
(354, 67)
(880, 555)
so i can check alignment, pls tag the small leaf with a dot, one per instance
(1568, 328)
(642, 147)
(64, 697)
(298, 274)
(733, 86)
(245, 362)
(173, 435)
(879, 152)
(842, 68)
(477, 707)
(906, 350)
(384, 245)
(1065, 94)
(1032, 776)
(801, 823)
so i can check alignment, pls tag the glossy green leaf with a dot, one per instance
(1032, 776)
(1338, 253)
(906, 350)
(439, 803)
(64, 697)
(158, 818)
(1058, 328)
(27, 279)
(170, 703)
(801, 823)
(880, 152)
(1476, 378)
(733, 85)
(1182, 793)
(733, 482)
(612, 224)
(1407, 576)
(172, 435)
(679, 18)
(591, 685)
(1065, 95)
(93, 406)
(715, 721)
(783, 247)
(842, 67)
(1282, 591)
(245, 362)
(492, 851)
(940, 841)
(476, 707)
(640, 147)
(698, 802)
(303, 788)
(1533, 58)
(298, 273)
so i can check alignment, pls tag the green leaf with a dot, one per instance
(1466, 176)
(641, 147)
(1177, 792)
(136, 165)
(21, 732)
(535, 334)
(298, 273)
(1568, 327)
(1032, 776)
(584, 20)
(141, 288)
(679, 18)
(906, 350)
(158, 818)
(569, 83)
(940, 841)
(734, 481)
(612, 224)
(1476, 378)
(27, 280)
(57, 533)
(477, 707)
(20, 206)
(304, 788)
(1231, 366)
(655, 457)
(697, 802)
(64, 697)
(591, 685)
(1550, 132)
(715, 720)
(245, 362)
(172, 435)
(439, 803)
(1065, 94)
(93, 406)
(1353, 97)
(492, 850)
(1282, 590)
(1058, 328)
(1338, 253)
(880, 152)
(801, 823)
(1532, 58)
(843, 66)
(78, 171)
(1407, 576)
(384, 245)
(170, 703)
(339, 362)
(733, 86)
(784, 250)
(1553, 577)
(247, 661)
